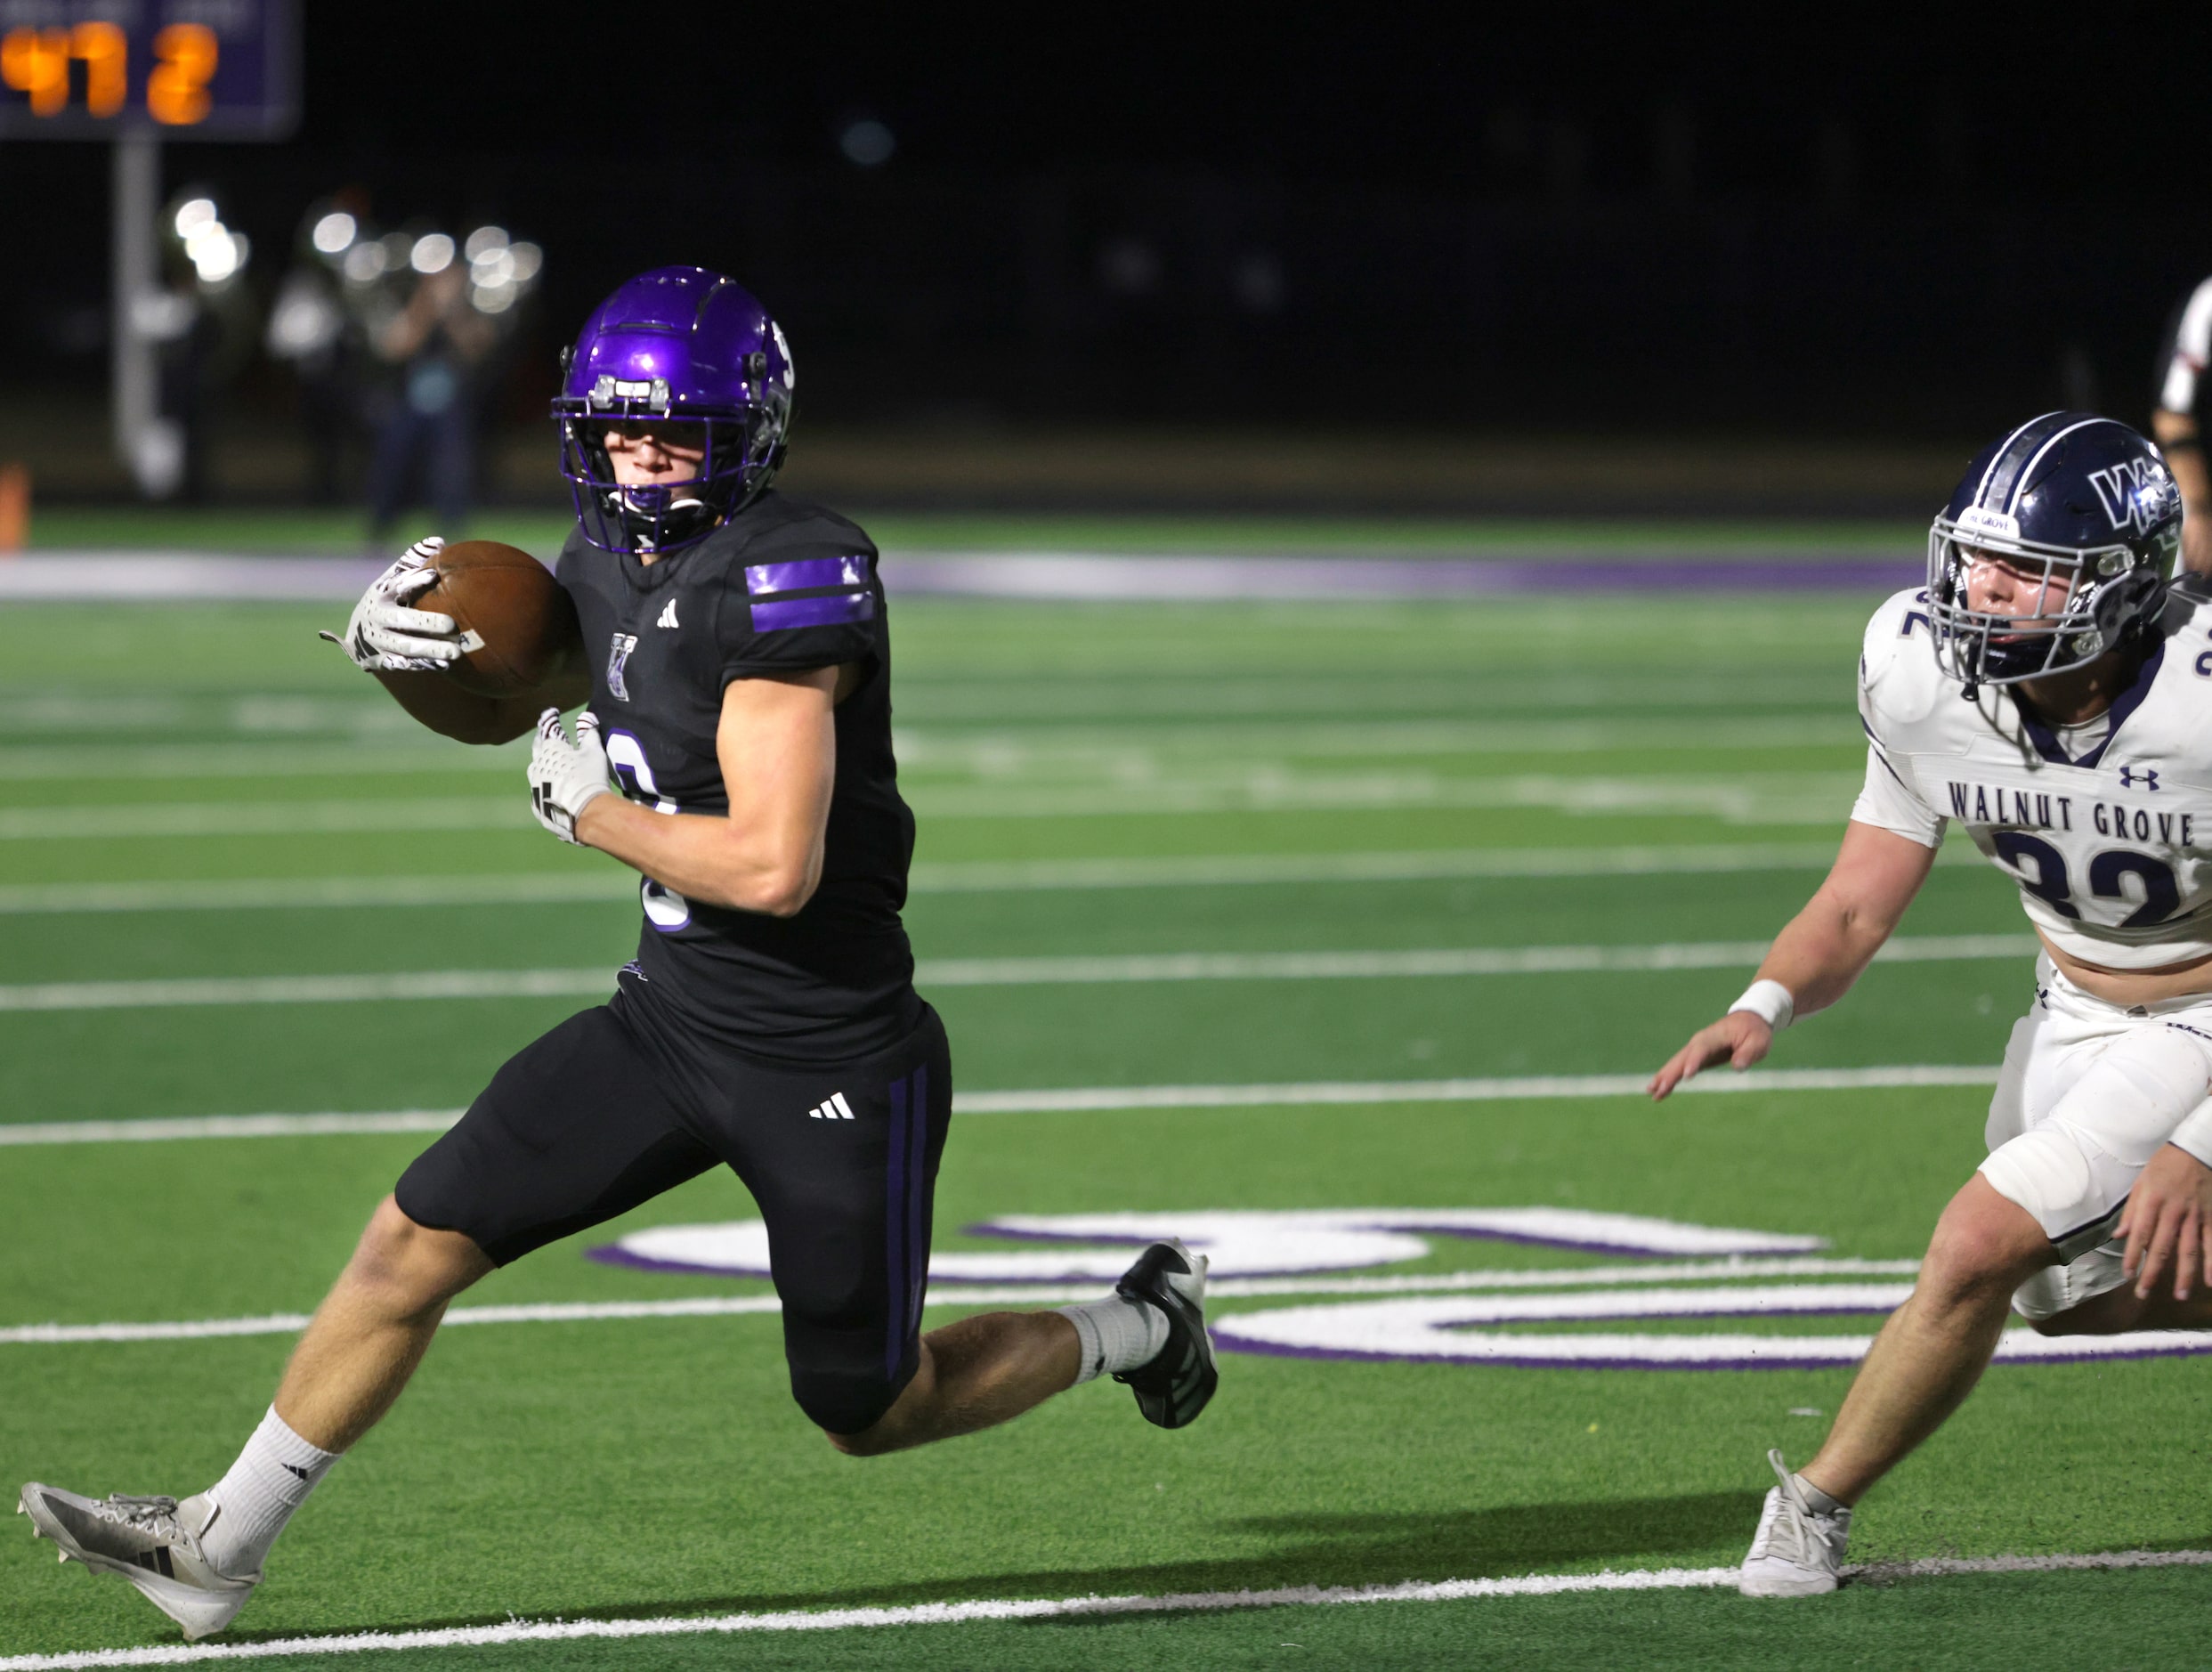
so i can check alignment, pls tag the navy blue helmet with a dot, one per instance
(2081, 506)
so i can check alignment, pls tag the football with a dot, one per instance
(517, 623)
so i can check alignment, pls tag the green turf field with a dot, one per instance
(195, 798)
(541, 529)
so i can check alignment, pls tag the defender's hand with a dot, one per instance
(384, 635)
(566, 777)
(2169, 1216)
(1738, 1039)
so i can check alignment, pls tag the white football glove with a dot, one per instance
(385, 635)
(566, 777)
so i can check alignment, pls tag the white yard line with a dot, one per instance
(224, 894)
(1075, 1100)
(1783, 797)
(171, 819)
(1052, 751)
(157, 1130)
(984, 876)
(1471, 1090)
(520, 1631)
(341, 757)
(1742, 797)
(988, 972)
(987, 876)
(339, 989)
(943, 1293)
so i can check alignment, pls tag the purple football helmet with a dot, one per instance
(677, 343)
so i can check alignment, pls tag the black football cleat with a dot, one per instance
(1174, 1387)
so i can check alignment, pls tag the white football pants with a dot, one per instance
(2088, 1093)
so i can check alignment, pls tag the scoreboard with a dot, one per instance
(175, 70)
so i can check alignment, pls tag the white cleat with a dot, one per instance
(153, 1542)
(1797, 1551)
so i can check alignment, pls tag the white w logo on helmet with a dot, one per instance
(2133, 494)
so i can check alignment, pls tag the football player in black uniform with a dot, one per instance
(735, 648)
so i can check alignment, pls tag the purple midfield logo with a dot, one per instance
(624, 643)
(1690, 1277)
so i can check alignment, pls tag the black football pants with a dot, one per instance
(607, 1111)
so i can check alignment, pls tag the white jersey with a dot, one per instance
(2106, 827)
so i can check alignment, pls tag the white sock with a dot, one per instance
(1116, 1335)
(1816, 1501)
(248, 1507)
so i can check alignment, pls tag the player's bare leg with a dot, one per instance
(199, 1560)
(374, 1326)
(1935, 1348)
(975, 1374)
(1923, 1364)
(1150, 1333)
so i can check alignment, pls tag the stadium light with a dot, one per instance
(433, 253)
(333, 234)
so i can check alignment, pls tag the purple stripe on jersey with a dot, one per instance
(917, 1195)
(894, 1236)
(807, 571)
(850, 607)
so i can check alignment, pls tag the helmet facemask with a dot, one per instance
(738, 460)
(2085, 601)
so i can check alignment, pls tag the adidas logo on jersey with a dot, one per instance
(835, 1109)
(668, 615)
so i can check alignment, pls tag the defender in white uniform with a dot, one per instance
(2047, 691)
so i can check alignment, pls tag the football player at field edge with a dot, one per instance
(735, 648)
(2079, 763)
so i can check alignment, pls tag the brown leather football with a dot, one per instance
(517, 623)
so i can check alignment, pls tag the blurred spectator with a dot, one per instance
(436, 342)
(201, 321)
(443, 319)
(312, 330)
(2178, 424)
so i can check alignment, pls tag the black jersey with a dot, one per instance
(782, 587)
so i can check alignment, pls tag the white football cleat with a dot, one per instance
(153, 1542)
(1797, 1551)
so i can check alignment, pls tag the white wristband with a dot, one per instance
(1770, 1001)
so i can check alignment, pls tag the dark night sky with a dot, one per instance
(2041, 100)
(1565, 214)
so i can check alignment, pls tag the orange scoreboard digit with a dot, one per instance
(225, 70)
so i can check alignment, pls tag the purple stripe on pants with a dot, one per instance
(831, 612)
(917, 1205)
(895, 1234)
(807, 571)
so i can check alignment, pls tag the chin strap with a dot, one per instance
(1972, 691)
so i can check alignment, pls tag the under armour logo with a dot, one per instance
(668, 615)
(2146, 777)
(624, 643)
(835, 1109)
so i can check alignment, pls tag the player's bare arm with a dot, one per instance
(777, 748)
(1821, 951)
